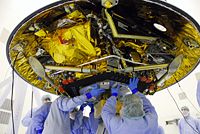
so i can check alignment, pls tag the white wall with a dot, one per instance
(189, 6)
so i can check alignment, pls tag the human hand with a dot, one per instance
(115, 90)
(133, 82)
(39, 130)
(96, 91)
(83, 106)
(112, 83)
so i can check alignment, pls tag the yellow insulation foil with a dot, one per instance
(73, 43)
(191, 56)
(98, 107)
(71, 46)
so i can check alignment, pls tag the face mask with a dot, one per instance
(185, 113)
(45, 101)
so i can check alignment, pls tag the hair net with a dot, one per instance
(132, 106)
(45, 97)
(185, 108)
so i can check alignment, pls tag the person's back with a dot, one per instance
(58, 121)
(83, 124)
(57, 117)
(85, 127)
(137, 116)
(39, 117)
(143, 125)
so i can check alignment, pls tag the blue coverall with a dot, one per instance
(85, 125)
(122, 125)
(58, 121)
(37, 123)
(184, 128)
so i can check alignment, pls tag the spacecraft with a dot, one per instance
(68, 45)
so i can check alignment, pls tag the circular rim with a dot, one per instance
(158, 2)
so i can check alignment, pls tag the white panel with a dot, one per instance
(197, 76)
(20, 93)
(6, 105)
(4, 34)
(4, 117)
(5, 82)
(5, 92)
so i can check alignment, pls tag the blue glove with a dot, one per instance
(133, 85)
(115, 90)
(83, 106)
(112, 83)
(91, 105)
(39, 131)
(96, 91)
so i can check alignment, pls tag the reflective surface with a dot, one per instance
(81, 43)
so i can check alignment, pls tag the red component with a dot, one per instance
(61, 90)
(143, 78)
(148, 80)
(62, 41)
(65, 82)
(152, 87)
(70, 80)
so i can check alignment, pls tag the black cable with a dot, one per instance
(181, 112)
(32, 103)
(186, 96)
(12, 90)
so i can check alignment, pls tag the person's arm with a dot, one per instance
(93, 123)
(108, 114)
(68, 104)
(197, 124)
(78, 120)
(179, 127)
(147, 106)
(27, 120)
(41, 114)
